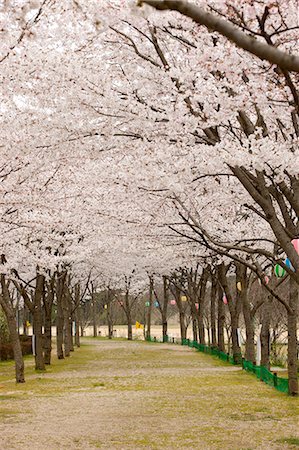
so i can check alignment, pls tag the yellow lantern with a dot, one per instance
(183, 298)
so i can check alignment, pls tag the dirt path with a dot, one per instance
(133, 395)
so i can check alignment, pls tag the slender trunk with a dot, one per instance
(14, 335)
(202, 297)
(37, 323)
(237, 356)
(48, 303)
(59, 317)
(265, 333)
(164, 309)
(94, 314)
(149, 309)
(194, 328)
(67, 326)
(213, 312)
(47, 339)
(77, 315)
(221, 321)
(183, 327)
(292, 339)
(130, 332)
(234, 306)
(249, 347)
(25, 320)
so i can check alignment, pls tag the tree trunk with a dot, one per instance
(130, 332)
(265, 333)
(292, 339)
(149, 309)
(77, 315)
(213, 312)
(67, 326)
(14, 335)
(59, 317)
(94, 314)
(220, 320)
(48, 303)
(47, 339)
(183, 327)
(249, 347)
(202, 297)
(164, 309)
(25, 320)
(194, 328)
(37, 323)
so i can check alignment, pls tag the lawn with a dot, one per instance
(137, 395)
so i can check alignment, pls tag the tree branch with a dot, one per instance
(225, 28)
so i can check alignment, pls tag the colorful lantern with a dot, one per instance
(197, 306)
(225, 299)
(105, 306)
(147, 304)
(289, 264)
(172, 302)
(295, 243)
(266, 279)
(157, 304)
(183, 298)
(279, 271)
(239, 286)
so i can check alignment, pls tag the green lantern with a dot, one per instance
(279, 271)
(147, 304)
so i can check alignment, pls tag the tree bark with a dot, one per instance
(14, 335)
(59, 317)
(164, 309)
(77, 315)
(292, 339)
(202, 298)
(37, 323)
(265, 333)
(213, 312)
(149, 309)
(48, 303)
(220, 321)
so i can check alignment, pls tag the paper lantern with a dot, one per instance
(157, 304)
(266, 279)
(197, 306)
(172, 302)
(289, 264)
(239, 286)
(279, 271)
(105, 306)
(147, 304)
(295, 243)
(183, 298)
(225, 299)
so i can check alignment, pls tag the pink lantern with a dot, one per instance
(225, 299)
(295, 243)
(197, 306)
(266, 279)
(172, 302)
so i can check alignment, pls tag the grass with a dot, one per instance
(291, 441)
(151, 396)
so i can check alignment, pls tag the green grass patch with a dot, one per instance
(289, 440)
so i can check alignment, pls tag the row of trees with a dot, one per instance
(136, 141)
